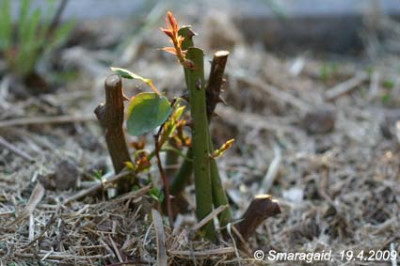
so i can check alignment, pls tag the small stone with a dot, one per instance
(66, 175)
(319, 121)
(323, 144)
(47, 181)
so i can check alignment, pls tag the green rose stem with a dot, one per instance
(171, 160)
(185, 171)
(202, 106)
(183, 174)
(213, 97)
(200, 136)
(111, 118)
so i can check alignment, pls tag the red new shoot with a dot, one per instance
(171, 31)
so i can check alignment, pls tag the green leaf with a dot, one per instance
(128, 74)
(98, 174)
(146, 111)
(130, 166)
(124, 73)
(156, 194)
(171, 123)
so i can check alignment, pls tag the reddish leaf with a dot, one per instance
(167, 32)
(170, 50)
(172, 21)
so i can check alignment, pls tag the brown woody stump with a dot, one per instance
(111, 118)
(215, 81)
(261, 208)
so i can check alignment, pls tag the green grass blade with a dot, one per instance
(5, 25)
(28, 50)
(61, 34)
(23, 21)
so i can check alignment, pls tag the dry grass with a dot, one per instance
(338, 190)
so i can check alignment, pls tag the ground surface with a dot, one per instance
(331, 159)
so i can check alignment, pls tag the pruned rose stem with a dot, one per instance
(215, 81)
(111, 118)
(209, 190)
(213, 91)
(185, 171)
(200, 137)
(213, 97)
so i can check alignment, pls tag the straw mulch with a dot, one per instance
(321, 136)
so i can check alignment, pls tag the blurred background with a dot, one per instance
(313, 101)
(327, 25)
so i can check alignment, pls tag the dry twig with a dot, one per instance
(209, 217)
(280, 95)
(15, 150)
(202, 254)
(272, 171)
(34, 199)
(162, 259)
(345, 87)
(97, 187)
(46, 120)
